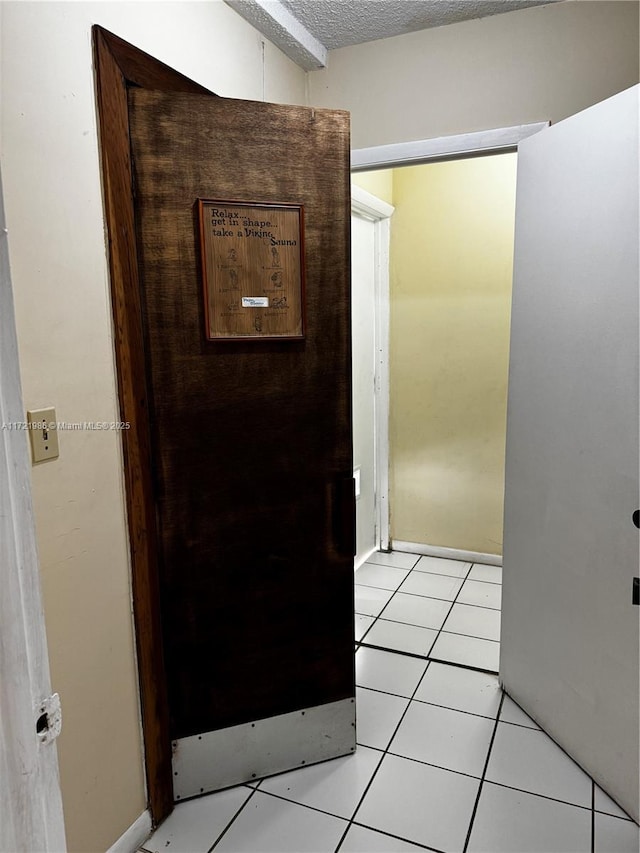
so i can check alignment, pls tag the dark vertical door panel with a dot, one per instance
(251, 442)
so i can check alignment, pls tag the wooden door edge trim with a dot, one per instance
(141, 69)
(113, 134)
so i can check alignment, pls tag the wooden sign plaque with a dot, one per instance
(252, 270)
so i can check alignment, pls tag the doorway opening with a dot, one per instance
(438, 330)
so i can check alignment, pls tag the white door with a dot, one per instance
(30, 802)
(370, 231)
(363, 359)
(570, 638)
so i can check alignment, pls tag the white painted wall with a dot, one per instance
(570, 633)
(50, 161)
(537, 64)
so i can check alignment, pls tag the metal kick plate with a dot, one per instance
(215, 760)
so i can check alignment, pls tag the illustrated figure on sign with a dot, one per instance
(233, 255)
(233, 278)
(280, 303)
(275, 257)
(257, 323)
(276, 278)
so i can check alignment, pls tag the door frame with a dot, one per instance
(500, 140)
(31, 816)
(119, 65)
(375, 210)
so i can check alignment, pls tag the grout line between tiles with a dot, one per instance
(467, 666)
(540, 730)
(402, 652)
(484, 771)
(459, 710)
(428, 657)
(444, 622)
(538, 794)
(473, 636)
(593, 816)
(384, 754)
(426, 627)
(227, 827)
(430, 764)
(304, 805)
(386, 692)
(396, 837)
(443, 575)
(480, 580)
(379, 616)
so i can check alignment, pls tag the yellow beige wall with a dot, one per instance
(54, 213)
(378, 183)
(451, 266)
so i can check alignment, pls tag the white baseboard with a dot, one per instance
(134, 837)
(447, 553)
(360, 560)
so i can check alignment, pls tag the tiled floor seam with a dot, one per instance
(419, 595)
(465, 665)
(412, 625)
(448, 614)
(593, 816)
(455, 600)
(484, 771)
(305, 805)
(570, 757)
(393, 593)
(396, 837)
(232, 821)
(539, 795)
(385, 752)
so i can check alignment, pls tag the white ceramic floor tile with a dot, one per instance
(271, 825)
(450, 739)
(434, 586)
(489, 574)
(402, 637)
(383, 577)
(613, 835)
(604, 803)
(514, 822)
(363, 623)
(377, 716)
(420, 803)
(467, 651)
(193, 827)
(417, 610)
(481, 594)
(361, 840)
(453, 568)
(370, 601)
(512, 713)
(334, 786)
(396, 559)
(530, 761)
(461, 689)
(474, 621)
(388, 672)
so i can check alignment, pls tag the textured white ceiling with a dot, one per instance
(339, 23)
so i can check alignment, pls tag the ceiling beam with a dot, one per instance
(284, 30)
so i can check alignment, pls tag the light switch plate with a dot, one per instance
(43, 434)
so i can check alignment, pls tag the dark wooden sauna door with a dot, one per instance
(250, 444)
